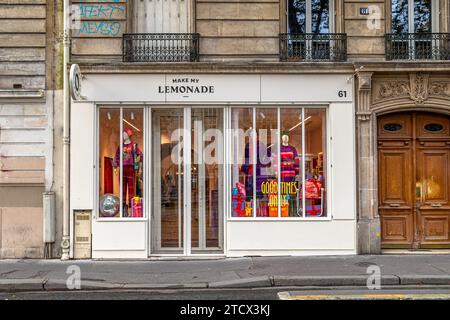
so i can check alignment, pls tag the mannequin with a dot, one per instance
(289, 160)
(289, 170)
(132, 168)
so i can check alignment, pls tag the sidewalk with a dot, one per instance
(251, 272)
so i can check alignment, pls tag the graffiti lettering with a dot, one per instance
(106, 11)
(106, 28)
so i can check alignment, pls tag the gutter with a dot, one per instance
(65, 243)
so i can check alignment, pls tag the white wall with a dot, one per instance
(342, 157)
(291, 237)
(82, 156)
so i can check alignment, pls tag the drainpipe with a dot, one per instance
(65, 244)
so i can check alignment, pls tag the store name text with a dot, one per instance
(186, 85)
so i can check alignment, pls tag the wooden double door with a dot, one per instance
(414, 180)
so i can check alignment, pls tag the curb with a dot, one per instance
(423, 280)
(200, 285)
(42, 284)
(11, 285)
(329, 281)
(256, 282)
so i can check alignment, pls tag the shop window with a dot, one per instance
(278, 163)
(121, 154)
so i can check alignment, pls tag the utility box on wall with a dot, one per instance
(82, 235)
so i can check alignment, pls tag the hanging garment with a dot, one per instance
(131, 158)
(131, 155)
(263, 162)
(313, 189)
(289, 163)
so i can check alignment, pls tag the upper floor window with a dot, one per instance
(415, 32)
(414, 16)
(161, 33)
(309, 16)
(310, 37)
(161, 16)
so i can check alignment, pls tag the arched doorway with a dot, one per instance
(414, 180)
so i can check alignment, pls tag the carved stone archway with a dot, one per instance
(380, 95)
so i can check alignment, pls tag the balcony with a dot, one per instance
(418, 46)
(161, 47)
(313, 47)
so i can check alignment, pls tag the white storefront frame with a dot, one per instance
(236, 231)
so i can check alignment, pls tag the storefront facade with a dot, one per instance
(254, 141)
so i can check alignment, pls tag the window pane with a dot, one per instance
(242, 160)
(290, 153)
(320, 16)
(132, 162)
(206, 177)
(297, 16)
(315, 162)
(109, 177)
(400, 16)
(266, 168)
(167, 180)
(422, 16)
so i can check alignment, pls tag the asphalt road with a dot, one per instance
(210, 294)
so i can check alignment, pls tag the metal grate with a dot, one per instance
(418, 46)
(313, 47)
(160, 47)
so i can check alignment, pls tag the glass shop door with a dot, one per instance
(187, 192)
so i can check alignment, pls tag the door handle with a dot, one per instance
(436, 205)
(418, 191)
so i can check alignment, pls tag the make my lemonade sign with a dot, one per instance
(186, 85)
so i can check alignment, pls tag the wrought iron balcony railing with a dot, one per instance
(313, 47)
(161, 47)
(418, 46)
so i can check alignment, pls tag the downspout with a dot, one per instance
(65, 244)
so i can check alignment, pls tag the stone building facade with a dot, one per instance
(30, 124)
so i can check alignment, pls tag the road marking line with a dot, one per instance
(364, 296)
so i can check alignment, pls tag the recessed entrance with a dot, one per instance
(414, 180)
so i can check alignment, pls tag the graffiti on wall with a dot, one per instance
(101, 19)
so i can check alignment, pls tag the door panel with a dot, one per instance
(397, 227)
(395, 127)
(433, 176)
(434, 210)
(435, 226)
(395, 175)
(432, 126)
(414, 180)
